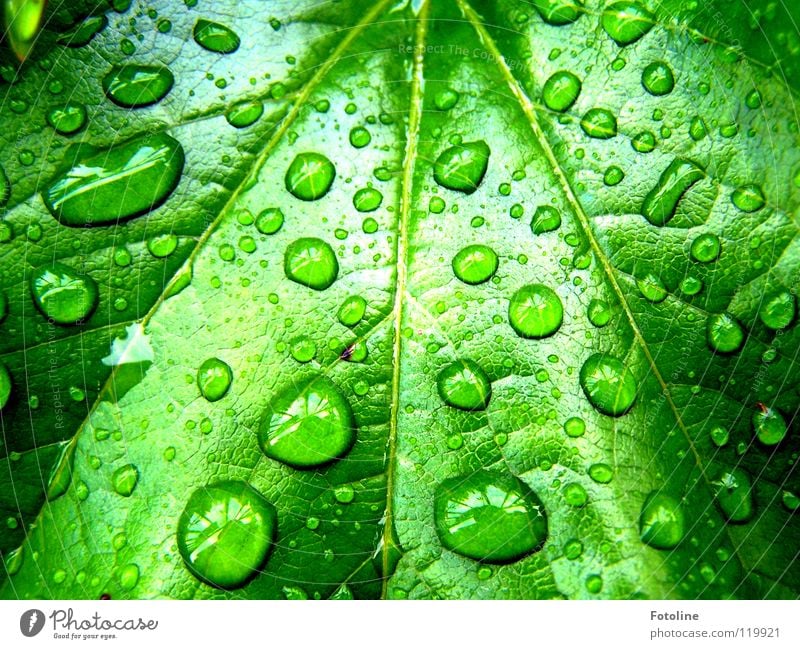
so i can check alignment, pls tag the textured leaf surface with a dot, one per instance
(421, 78)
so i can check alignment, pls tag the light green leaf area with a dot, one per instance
(467, 325)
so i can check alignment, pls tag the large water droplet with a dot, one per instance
(67, 119)
(769, 426)
(310, 176)
(778, 310)
(125, 479)
(215, 37)
(308, 426)
(658, 79)
(662, 523)
(706, 248)
(311, 262)
(118, 184)
(134, 86)
(22, 19)
(561, 91)
(489, 516)
(661, 203)
(734, 492)
(226, 532)
(546, 219)
(608, 384)
(559, 12)
(724, 334)
(464, 384)
(462, 167)
(599, 123)
(214, 378)
(627, 22)
(749, 198)
(535, 311)
(62, 294)
(475, 264)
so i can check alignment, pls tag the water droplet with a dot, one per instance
(61, 474)
(310, 176)
(734, 492)
(652, 288)
(559, 12)
(662, 524)
(464, 384)
(129, 576)
(769, 426)
(697, 129)
(706, 248)
(344, 494)
(62, 294)
(608, 384)
(214, 378)
(308, 426)
(724, 334)
(125, 479)
(719, 436)
(691, 285)
(360, 137)
(67, 119)
(244, 113)
(601, 473)
(575, 495)
(599, 313)
(626, 22)
(749, 198)
(489, 516)
(599, 123)
(613, 176)
(270, 220)
(215, 37)
(790, 500)
(658, 79)
(367, 199)
(545, 219)
(644, 142)
(352, 310)
(573, 549)
(123, 182)
(135, 86)
(661, 203)
(561, 91)
(13, 560)
(23, 19)
(535, 311)
(574, 427)
(303, 349)
(311, 262)
(6, 385)
(462, 167)
(226, 532)
(446, 99)
(594, 584)
(475, 264)
(778, 310)
(5, 194)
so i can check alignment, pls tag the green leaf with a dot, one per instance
(436, 283)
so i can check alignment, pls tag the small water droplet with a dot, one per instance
(129, 576)
(559, 12)
(658, 79)
(270, 220)
(462, 167)
(303, 349)
(778, 310)
(311, 262)
(601, 473)
(310, 176)
(662, 523)
(706, 248)
(352, 310)
(599, 123)
(445, 99)
(545, 219)
(719, 436)
(748, 198)
(367, 199)
(652, 288)
(724, 334)
(475, 264)
(62, 294)
(214, 378)
(599, 313)
(535, 311)
(125, 479)
(769, 426)
(464, 384)
(489, 516)
(575, 495)
(734, 492)
(561, 91)
(608, 384)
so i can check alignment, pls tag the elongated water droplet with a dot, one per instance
(308, 426)
(706, 248)
(599, 123)
(135, 86)
(661, 203)
(465, 385)
(83, 33)
(769, 426)
(118, 184)
(226, 532)
(6, 385)
(129, 576)
(546, 219)
(310, 176)
(13, 560)
(601, 473)
(214, 378)
(734, 492)
(749, 198)
(61, 473)
(535, 311)
(662, 522)
(778, 310)
(475, 264)
(559, 12)
(5, 192)
(489, 516)
(724, 333)
(125, 479)
(63, 294)
(244, 113)
(446, 99)
(22, 19)
(463, 166)
(67, 119)
(627, 22)
(608, 384)
(561, 91)
(352, 311)
(215, 37)
(311, 262)
(658, 79)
